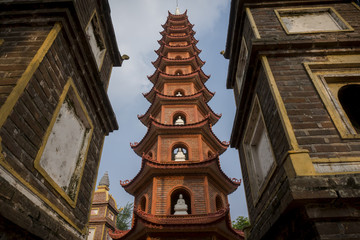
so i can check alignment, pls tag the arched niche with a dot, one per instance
(179, 152)
(178, 57)
(143, 204)
(219, 203)
(179, 119)
(179, 92)
(175, 197)
(349, 98)
(179, 72)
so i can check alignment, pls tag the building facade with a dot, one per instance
(294, 68)
(55, 63)
(103, 213)
(180, 191)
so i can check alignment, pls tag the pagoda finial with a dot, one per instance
(104, 181)
(177, 11)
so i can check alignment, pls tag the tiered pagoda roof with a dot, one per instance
(161, 100)
(210, 167)
(179, 84)
(166, 39)
(193, 61)
(196, 73)
(165, 48)
(177, 17)
(156, 128)
(153, 92)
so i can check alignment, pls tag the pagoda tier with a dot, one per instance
(168, 85)
(200, 131)
(177, 17)
(169, 103)
(202, 226)
(182, 37)
(177, 22)
(194, 61)
(186, 74)
(174, 30)
(180, 190)
(183, 22)
(209, 168)
(154, 91)
(166, 49)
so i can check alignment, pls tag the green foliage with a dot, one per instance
(123, 219)
(240, 223)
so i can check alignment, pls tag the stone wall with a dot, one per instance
(313, 185)
(43, 60)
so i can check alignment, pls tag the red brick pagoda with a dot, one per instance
(180, 190)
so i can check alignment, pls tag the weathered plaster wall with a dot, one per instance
(28, 199)
(65, 148)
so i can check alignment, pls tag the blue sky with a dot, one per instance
(137, 25)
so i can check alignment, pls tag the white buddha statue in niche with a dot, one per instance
(178, 94)
(179, 121)
(180, 207)
(180, 156)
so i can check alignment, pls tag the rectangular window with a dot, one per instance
(94, 211)
(243, 55)
(311, 20)
(111, 216)
(260, 159)
(338, 85)
(96, 40)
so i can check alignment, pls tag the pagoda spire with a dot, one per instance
(177, 11)
(104, 181)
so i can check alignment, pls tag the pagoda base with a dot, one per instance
(162, 227)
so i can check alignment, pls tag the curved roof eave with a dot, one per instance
(148, 166)
(158, 96)
(157, 127)
(171, 223)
